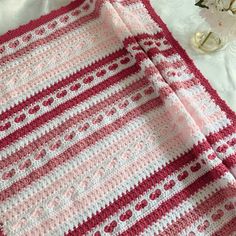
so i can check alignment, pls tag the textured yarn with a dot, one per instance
(108, 128)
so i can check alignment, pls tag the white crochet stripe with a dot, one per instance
(185, 206)
(136, 10)
(46, 77)
(208, 103)
(183, 77)
(217, 125)
(54, 45)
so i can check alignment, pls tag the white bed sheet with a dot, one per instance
(182, 19)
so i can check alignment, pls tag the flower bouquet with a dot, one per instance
(221, 17)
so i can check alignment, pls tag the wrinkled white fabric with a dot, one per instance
(16, 12)
(182, 18)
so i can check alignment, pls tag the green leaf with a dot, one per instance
(200, 4)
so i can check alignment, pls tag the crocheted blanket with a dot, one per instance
(108, 128)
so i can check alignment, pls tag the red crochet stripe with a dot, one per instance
(39, 121)
(77, 148)
(224, 132)
(152, 217)
(1, 230)
(36, 23)
(230, 161)
(60, 84)
(174, 201)
(143, 36)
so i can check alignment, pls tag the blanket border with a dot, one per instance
(213, 93)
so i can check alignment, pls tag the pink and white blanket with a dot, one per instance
(108, 128)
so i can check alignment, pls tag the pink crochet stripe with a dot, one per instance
(186, 160)
(70, 175)
(16, 108)
(58, 48)
(76, 149)
(42, 94)
(145, 185)
(44, 55)
(68, 104)
(28, 149)
(227, 229)
(116, 180)
(34, 98)
(165, 91)
(112, 208)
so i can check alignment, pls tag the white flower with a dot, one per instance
(221, 22)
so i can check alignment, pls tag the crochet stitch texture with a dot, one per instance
(108, 128)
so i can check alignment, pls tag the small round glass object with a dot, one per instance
(205, 40)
